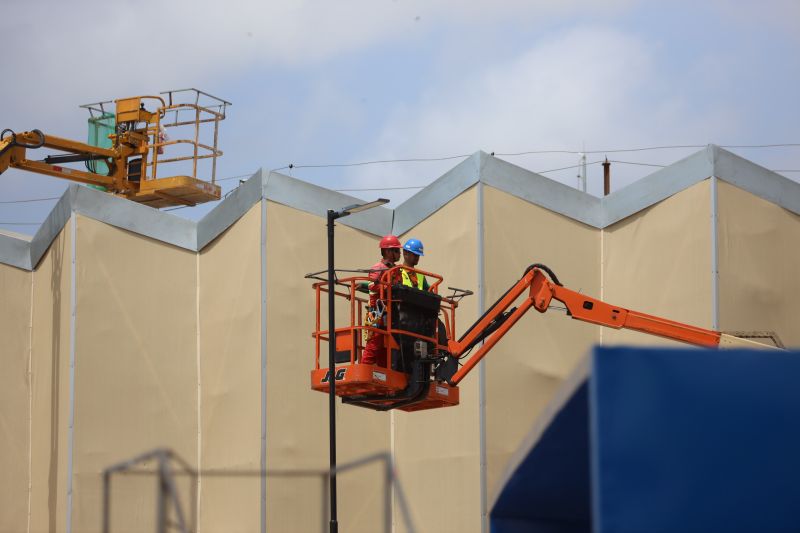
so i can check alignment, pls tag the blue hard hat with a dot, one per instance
(414, 246)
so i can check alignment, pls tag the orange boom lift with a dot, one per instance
(126, 162)
(426, 362)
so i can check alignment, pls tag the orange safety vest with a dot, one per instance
(407, 279)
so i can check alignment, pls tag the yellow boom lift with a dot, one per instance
(128, 160)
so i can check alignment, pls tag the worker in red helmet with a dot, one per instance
(374, 350)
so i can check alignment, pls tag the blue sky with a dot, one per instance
(316, 82)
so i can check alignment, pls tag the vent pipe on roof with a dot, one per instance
(606, 177)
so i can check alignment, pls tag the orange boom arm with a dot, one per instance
(541, 291)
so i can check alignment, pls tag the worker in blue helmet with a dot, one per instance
(412, 251)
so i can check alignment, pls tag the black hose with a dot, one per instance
(11, 144)
(14, 141)
(540, 266)
(545, 268)
(33, 146)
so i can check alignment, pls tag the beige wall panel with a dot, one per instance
(136, 362)
(759, 265)
(658, 261)
(437, 451)
(50, 352)
(529, 363)
(230, 362)
(15, 316)
(297, 417)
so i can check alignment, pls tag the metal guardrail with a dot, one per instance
(168, 466)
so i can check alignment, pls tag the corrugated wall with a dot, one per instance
(759, 265)
(438, 451)
(50, 386)
(530, 362)
(135, 366)
(15, 317)
(658, 261)
(230, 378)
(297, 417)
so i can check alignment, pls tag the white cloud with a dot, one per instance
(595, 86)
(95, 49)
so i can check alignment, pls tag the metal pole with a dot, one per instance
(161, 504)
(334, 526)
(106, 502)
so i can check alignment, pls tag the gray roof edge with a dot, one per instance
(134, 217)
(229, 210)
(479, 167)
(658, 186)
(436, 195)
(541, 191)
(15, 252)
(317, 200)
(56, 221)
(757, 180)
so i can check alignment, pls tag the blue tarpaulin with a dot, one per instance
(666, 440)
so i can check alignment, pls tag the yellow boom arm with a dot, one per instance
(133, 160)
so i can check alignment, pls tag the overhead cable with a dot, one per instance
(383, 188)
(29, 200)
(379, 161)
(636, 163)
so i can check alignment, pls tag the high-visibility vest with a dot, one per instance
(407, 280)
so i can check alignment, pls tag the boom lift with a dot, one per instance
(425, 346)
(129, 164)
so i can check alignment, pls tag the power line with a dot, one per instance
(234, 177)
(783, 145)
(383, 188)
(29, 200)
(21, 223)
(615, 150)
(645, 148)
(380, 161)
(566, 168)
(636, 163)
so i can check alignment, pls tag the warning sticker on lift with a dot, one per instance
(442, 390)
(380, 376)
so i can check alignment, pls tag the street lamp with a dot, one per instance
(332, 216)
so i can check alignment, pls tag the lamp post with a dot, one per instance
(332, 216)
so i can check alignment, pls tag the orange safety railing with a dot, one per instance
(350, 337)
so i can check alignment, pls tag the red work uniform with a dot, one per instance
(375, 350)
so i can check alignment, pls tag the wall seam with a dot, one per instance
(199, 396)
(602, 276)
(30, 405)
(392, 492)
(481, 365)
(714, 256)
(263, 246)
(72, 356)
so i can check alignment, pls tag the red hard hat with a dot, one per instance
(390, 241)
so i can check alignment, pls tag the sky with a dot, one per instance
(353, 81)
